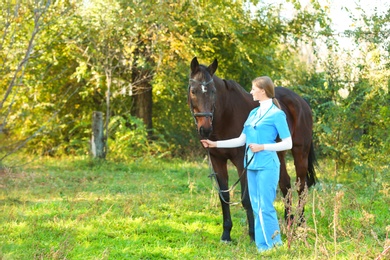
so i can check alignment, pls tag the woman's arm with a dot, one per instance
(230, 143)
(285, 144)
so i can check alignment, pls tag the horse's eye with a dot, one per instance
(193, 91)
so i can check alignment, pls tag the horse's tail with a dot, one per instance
(311, 173)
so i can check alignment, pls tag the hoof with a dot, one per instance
(226, 237)
(226, 241)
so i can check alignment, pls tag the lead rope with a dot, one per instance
(213, 176)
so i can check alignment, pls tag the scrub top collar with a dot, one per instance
(265, 105)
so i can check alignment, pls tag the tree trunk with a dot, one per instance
(108, 97)
(97, 140)
(143, 107)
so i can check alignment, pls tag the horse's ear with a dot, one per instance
(194, 65)
(213, 67)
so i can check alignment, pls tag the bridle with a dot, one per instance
(213, 174)
(204, 90)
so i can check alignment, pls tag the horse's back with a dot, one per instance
(298, 112)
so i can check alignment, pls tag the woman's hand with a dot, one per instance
(256, 147)
(208, 144)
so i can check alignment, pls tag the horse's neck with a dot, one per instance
(232, 107)
(232, 94)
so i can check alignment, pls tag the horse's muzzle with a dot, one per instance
(205, 132)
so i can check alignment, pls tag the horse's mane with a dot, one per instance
(230, 85)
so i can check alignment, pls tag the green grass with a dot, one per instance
(154, 209)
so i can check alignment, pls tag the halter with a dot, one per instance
(204, 90)
(203, 84)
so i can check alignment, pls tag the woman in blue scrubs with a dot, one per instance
(261, 129)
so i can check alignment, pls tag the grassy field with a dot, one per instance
(156, 209)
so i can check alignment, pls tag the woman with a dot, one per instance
(264, 125)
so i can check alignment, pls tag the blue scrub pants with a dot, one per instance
(262, 186)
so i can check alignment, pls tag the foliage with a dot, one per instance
(349, 94)
(157, 209)
(351, 117)
(63, 60)
(134, 144)
(44, 86)
(372, 34)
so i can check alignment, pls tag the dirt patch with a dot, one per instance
(3, 171)
(7, 172)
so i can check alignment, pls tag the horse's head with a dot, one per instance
(202, 96)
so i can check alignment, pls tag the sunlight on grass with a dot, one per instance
(170, 210)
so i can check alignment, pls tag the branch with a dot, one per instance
(26, 56)
(7, 24)
(383, 253)
(25, 141)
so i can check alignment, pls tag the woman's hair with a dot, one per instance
(267, 84)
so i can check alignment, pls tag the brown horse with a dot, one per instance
(220, 108)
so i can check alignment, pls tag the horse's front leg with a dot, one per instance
(227, 219)
(220, 168)
(246, 203)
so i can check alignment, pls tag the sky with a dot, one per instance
(338, 11)
(340, 15)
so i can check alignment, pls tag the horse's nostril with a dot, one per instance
(205, 132)
(201, 130)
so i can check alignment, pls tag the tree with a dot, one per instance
(350, 99)
(103, 51)
(23, 115)
(131, 60)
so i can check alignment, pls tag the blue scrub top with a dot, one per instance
(264, 130)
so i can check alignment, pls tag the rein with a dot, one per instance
(213, 176)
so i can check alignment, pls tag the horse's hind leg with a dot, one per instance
(285, 184)
(301, 168)
(246, 203)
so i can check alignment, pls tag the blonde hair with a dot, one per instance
(267, 84)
